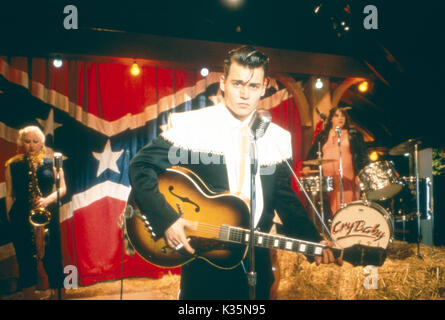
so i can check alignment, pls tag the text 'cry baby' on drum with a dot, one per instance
(380, 181)
(362, 222)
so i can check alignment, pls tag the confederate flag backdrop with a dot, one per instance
(98, 116)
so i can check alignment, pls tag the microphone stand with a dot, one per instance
(328, 233)
(258, 125)
(252, 276)
(58, 187)
(320, 173)
(59, 291)
(340, 169)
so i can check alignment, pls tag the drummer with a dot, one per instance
(354, 157)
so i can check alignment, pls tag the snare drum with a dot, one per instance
(379, 180)
(312, 184)
(364, 223)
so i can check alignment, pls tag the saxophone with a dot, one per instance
(39, 218)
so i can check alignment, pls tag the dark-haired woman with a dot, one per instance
(353, 152)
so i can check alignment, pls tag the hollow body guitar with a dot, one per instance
(220, 232)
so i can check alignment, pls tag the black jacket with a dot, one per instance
(278, 194)
(199, 134)
(358, 148)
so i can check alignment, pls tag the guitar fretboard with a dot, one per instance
(265, 240)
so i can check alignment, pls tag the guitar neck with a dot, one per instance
(265, 240)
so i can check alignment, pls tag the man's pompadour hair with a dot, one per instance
(246, 56)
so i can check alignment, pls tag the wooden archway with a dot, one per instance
(306, 111)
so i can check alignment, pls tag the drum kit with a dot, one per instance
(386, 199)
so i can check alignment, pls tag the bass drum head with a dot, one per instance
(365, 223)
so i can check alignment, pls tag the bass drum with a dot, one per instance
(362, 223)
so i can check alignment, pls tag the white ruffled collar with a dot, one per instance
(214, 129)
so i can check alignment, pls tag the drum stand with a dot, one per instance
(320, 176)
(340, 170)
(412, 146)
(416, 168)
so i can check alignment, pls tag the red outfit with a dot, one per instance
(351, 191)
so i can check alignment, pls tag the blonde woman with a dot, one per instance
(19, 201)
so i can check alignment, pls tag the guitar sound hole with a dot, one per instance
(184, 199)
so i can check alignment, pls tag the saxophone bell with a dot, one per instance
(39, 219)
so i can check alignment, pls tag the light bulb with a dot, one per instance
(363, 86)
(135, 70)
(374, 156)
(204, 72)
(57, 63)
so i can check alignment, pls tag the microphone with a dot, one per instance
(58, 161)
(338, 130)
(259, 123)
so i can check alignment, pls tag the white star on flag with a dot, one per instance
(107, 159)
(49, 125)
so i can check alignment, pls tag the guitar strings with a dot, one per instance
(236, 234)
(210, 231)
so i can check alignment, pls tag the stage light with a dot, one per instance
(318, 83)
(363, 86)
(135, 70)
(204, 72)
(233, 4)
(57, 63)
(317, 8)
(374, 156)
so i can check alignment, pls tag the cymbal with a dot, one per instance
(404, 147)
(317, 162)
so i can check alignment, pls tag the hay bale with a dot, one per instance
(403, 276)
